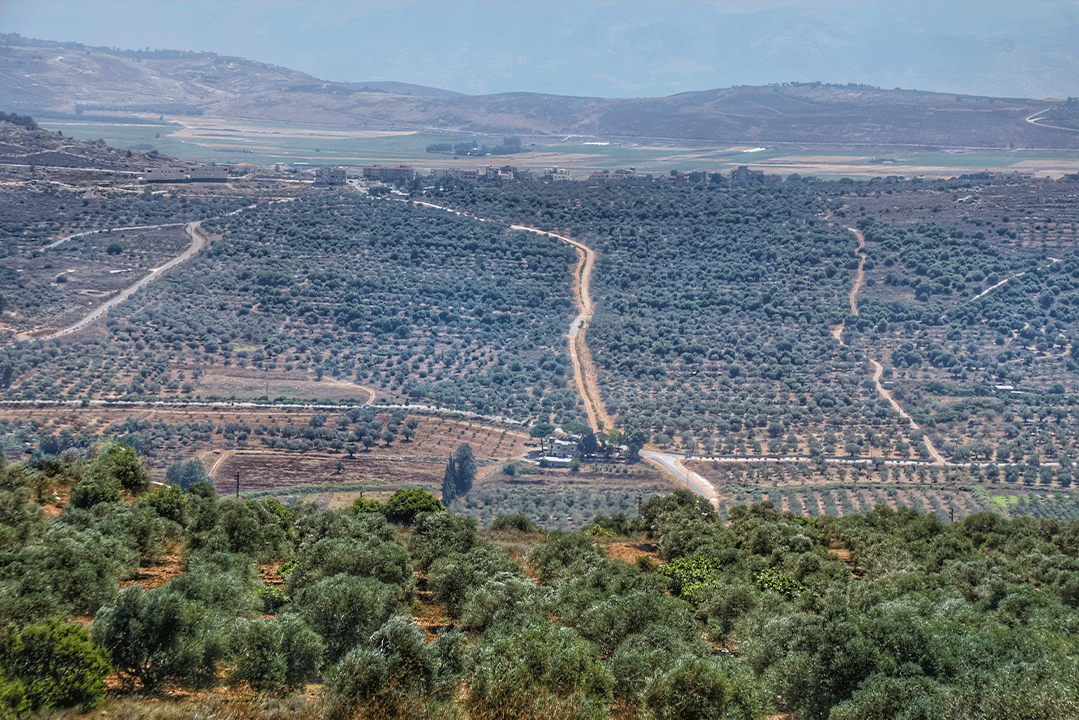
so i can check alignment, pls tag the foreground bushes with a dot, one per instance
(975, 619)
(51, 664)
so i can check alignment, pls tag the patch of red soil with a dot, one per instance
(270, 574)
(156, 573)
(427, 613)
(841, 553)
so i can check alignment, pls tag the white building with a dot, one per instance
(165, 174)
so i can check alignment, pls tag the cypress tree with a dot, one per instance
(465, 469)
(460, 473)
(449, 483)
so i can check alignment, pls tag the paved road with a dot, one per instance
(1033, 120)
(673, 465)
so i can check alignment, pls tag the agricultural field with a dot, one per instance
(271, 447)
(559, 499)
(418, 305)
(758, 323)
(224, 140)
(724, 324)
(768, 317)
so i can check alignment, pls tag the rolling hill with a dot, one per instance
(47, 78)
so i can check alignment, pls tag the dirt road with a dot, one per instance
(878, 370)
(887, 395)
(197, 243)
(859, 279)
(84, 233)
(584, 369)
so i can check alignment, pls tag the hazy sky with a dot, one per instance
(608, 49)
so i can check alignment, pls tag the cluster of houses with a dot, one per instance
(505, 172)
(741, 175)
(559, 450)
(336, 175)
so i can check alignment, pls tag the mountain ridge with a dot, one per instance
(79, 78)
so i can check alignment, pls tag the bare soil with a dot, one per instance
(629, 552)
(251, 384)
(158, 572)
(260, 470)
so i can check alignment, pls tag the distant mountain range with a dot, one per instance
(45, 78)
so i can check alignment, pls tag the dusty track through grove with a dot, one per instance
(198, 241)
(193, 231)
(584, 369)
(878, 370)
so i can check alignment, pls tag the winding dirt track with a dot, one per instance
(859, 279)
(878, 370)
(887, 395)
(584, 369)
(198, 241)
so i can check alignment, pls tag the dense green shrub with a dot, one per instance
(362, 545)
(395, 673)
(158, 636)
(55, 665)
(641, 655)
(186, 474)
(703, 688)
(20, 520)
(537, 669)
(565, 553)
(385, 561)
(138, 526)
(169, 502)
(404, 505)
(517, 522)
(260, 528)
(438, 534)
(272, 654)
(504, 594)
(608, 623)
(344, 610)
(226, 583)
(65, 572)
(91, 491)
(121, 464)
(454, 578)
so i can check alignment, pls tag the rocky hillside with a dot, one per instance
(22, 142)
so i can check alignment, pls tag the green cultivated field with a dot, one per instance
(271, 143)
